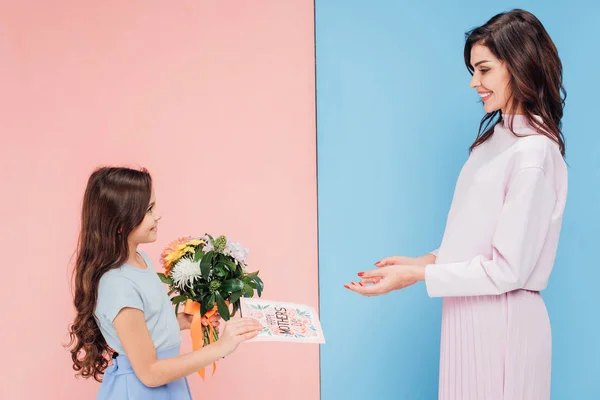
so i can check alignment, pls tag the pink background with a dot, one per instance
(216, 99)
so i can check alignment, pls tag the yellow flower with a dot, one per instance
(172, 252)
(195, 242)
(174, 256)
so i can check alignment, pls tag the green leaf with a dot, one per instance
(235, 308)
(199, 286)
(222, 307)
(207, 304)
(258, 280)
(164, 279)
(176, 308)
(232, 266)
(232, 285)
(235, 297)
(251, 274)
(259, 285)
(178, 299)
(219, 263)
(249, 291)
(199, 254)
(220, 271)
(206, 264)
(173, 290)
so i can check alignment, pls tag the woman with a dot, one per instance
(503, 227)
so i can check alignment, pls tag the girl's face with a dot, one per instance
(147, 230)
(491, 79)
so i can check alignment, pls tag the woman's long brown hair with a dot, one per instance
(115, 202)
(520, 40)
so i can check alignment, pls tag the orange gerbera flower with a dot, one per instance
(168, 255)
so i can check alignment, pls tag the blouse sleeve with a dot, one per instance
(516, 244)
(116, 293)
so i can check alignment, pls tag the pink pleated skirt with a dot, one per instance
(495, 348)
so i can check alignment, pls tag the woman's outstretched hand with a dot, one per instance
(386, 278)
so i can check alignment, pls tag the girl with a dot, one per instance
(503, 227)
(123, 311)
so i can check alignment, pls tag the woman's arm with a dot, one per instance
(516, 245)
(427, 259)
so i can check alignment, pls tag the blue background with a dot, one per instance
(395, 118)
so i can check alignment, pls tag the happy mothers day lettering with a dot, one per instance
(282, 320)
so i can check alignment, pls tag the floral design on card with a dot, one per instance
(288, 322)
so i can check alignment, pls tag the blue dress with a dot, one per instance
(121, 383)
(128, 286)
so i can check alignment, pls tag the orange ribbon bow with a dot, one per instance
(196, 330)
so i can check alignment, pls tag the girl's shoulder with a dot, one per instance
(115, 279)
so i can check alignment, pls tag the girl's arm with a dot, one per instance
(130, 326)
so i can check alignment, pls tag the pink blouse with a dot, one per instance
(504, 224)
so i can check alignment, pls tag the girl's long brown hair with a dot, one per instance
(115, 202)
(520, 40)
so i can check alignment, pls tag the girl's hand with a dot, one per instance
(213, 320)
(185, 320)
(385, 279)
(236, 332)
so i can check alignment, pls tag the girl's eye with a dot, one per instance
(483, 70)
(150, 209)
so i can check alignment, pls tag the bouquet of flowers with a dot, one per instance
(208, 275)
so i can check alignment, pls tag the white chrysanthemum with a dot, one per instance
(185, 273)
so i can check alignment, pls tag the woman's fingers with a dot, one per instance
(373, 277)
(371, 290)
(367, 281)
(373, 273)
(387, 261)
